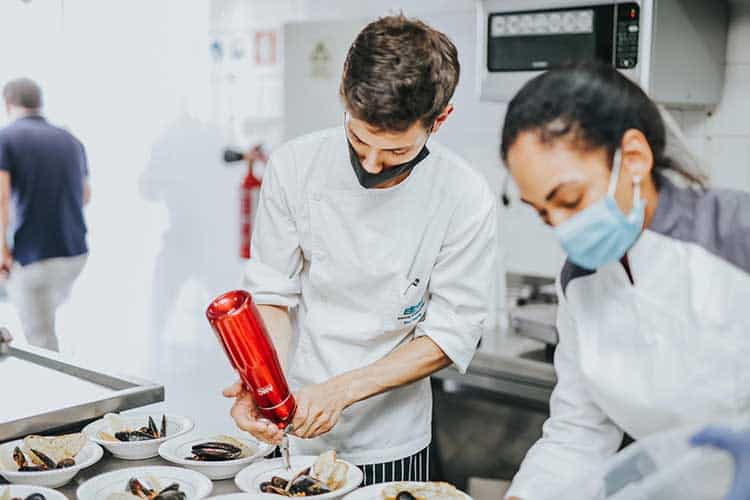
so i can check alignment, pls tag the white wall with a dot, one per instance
(722, 138)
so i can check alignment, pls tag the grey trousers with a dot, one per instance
(37, 290)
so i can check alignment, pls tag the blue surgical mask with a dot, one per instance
(602, 234)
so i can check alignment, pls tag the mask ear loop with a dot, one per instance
(615, 175)
(636, 189)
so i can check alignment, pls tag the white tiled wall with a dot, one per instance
(722, 138)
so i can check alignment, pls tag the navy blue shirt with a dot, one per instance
(47, 167)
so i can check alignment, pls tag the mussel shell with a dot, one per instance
(267, 487)
(65, 463)
(309, 486)
(279, 482)
(216, 445)
(138, 488)
(140, 436)
(123, 436)
(171, 495)
(152, 425)
(215, 452)
(19, 457)
(32, 468)
(171, 492)
(47, 462)
(405, 495)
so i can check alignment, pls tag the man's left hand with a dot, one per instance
(6, 262)
(319, 408)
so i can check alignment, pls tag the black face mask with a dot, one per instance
(368, 180)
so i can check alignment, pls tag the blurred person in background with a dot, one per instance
(44, 178)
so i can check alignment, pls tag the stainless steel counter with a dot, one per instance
(507, 364)
(54, 393)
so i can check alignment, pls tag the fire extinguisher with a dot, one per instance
(249, 193)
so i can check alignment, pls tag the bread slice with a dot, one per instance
(323, 465)
(339, 475)
(57, 448)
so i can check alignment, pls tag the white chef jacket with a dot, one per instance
(366, 270)
(673, 349)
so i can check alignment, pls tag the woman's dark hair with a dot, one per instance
(592, 104)
(398, 71)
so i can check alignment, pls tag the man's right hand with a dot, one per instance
(246, 416)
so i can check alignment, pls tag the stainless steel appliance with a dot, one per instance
(675, 49)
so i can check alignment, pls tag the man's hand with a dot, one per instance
(6, 262)
(737, 443)
(246, 416)
(319, 408)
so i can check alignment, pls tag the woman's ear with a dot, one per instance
(637, 156)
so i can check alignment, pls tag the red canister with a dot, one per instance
(241, 331)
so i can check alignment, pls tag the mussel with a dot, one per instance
(215, 451)
(171, 492)
(33, 496)
(307, 486)
(46, 463)
(145, 433)
(405, 495)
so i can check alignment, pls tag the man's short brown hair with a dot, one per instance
(398, 71)
(23, 92)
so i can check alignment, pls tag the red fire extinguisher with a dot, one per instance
(249, 193)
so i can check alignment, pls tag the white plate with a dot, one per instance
(195, 485)
(24, 490)
(138, 450)
(175, 451)
(249, 479)
(247, 496)
(375, 492)
(88, 456)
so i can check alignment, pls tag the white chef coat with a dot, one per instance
(346, 261)
(673, 349)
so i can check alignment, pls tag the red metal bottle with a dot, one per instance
(242, 333)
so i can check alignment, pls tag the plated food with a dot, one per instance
(38, 453)
(121, 431)
(47, 461)
(23, 492)
(324, 477)
(409, 491)
(136, 436)
(150, 489)
(219, 449)
(421, 491)
(218, 457)
(150, 482)
(327, 474)
(33, 496)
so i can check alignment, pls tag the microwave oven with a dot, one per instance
(675, 49)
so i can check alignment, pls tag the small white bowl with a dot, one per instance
(88, 456)
(247, 496)
(175, 451)
(375, 492)
(195, 485)
(137, 450)
(24, 490)
(250, 478)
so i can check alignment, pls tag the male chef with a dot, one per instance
(372, 258)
